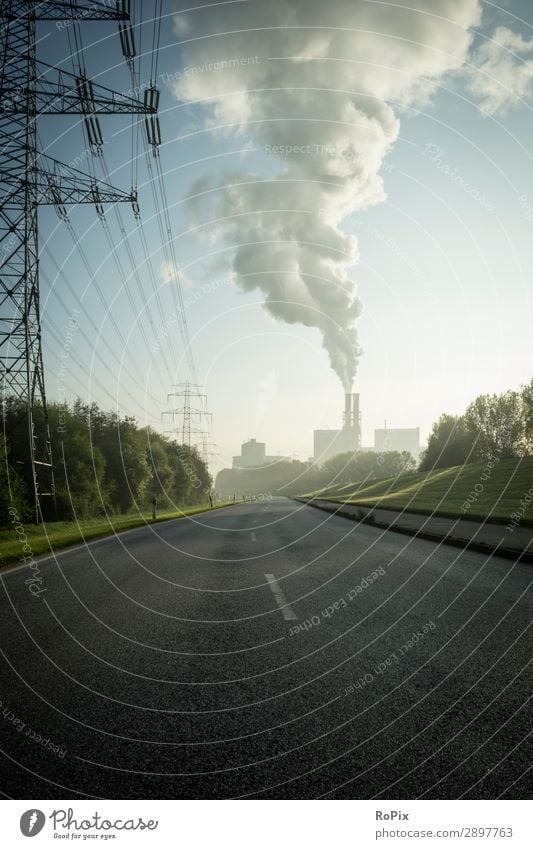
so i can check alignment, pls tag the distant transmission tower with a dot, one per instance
(190, 419)
(29, 88)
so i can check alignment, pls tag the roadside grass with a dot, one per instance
(45, 539)
(444, 492)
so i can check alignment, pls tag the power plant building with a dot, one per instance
(398, 439)
(327, 443)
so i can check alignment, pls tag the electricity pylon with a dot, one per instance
(29, 88)
(190, 419)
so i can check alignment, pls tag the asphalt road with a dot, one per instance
(266, 650)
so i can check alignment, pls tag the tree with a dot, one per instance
(12, 489)
(451, 443)
(294, 478)
(495, 422)
(79, 466)
(127, 469)
(356, 466)
(102, 463)
(526, 398)
(158, 462)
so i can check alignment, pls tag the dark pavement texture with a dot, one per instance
(162, 665)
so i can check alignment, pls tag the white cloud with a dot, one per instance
(169, 273)
(502, 71)
(319, 98)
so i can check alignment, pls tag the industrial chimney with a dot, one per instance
(355, 409)
(348, 410)
(356, 420)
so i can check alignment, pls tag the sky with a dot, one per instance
(350, 196)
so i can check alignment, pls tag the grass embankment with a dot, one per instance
(491, 494)
(56, 535)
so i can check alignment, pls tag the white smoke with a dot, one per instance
(502, 71)
(314, 85)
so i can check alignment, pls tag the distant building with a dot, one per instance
(398, 439)
(253, 455)
(328, 443)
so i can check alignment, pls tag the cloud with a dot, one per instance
(318, 100)
(501, 72)
(169, 273)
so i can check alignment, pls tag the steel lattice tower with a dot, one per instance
(190, 432)
(29, 88)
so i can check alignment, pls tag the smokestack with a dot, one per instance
(356, 420)
(347, 410)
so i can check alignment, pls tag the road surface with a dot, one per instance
(265, 650)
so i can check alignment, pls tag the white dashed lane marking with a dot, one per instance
(286, 610)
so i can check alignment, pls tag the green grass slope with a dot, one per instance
(44, 539)
(471, 492)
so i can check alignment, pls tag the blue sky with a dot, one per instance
(443, 272)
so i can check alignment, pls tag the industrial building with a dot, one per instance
(253, 455)
(328, 443)
(398, 439)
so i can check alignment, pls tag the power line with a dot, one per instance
(92, 278)
(190, 418)
(30, 180)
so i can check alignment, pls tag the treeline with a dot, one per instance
(294, 477)
(493, 427)
(103, 463)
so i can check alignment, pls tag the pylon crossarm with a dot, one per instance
(63, 93)
(63, 10)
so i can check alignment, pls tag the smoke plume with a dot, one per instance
(315, 87)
